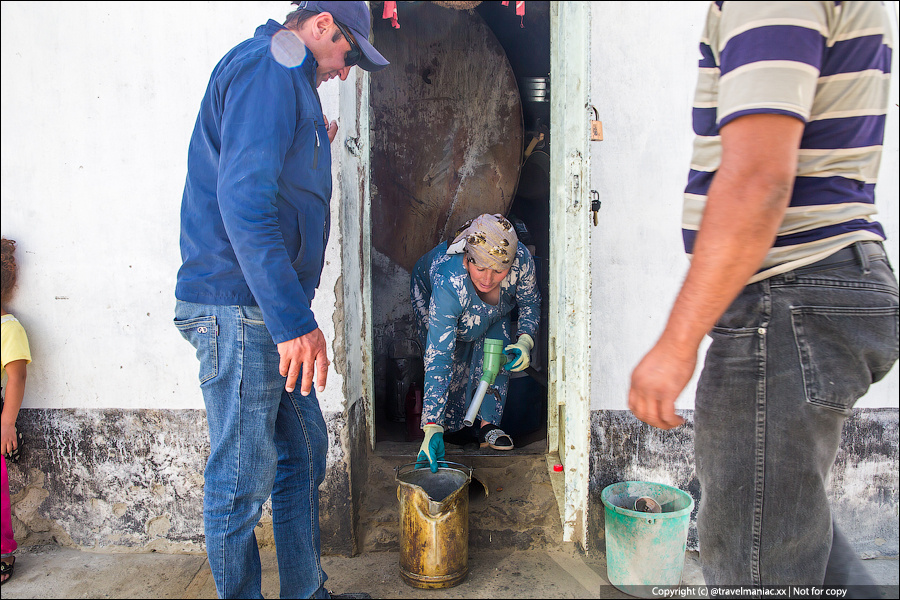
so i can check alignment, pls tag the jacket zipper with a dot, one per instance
(316, 149)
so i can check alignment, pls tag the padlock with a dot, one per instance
(596, 127)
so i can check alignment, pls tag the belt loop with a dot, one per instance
(862, 257)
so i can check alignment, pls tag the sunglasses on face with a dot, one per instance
(354, 54)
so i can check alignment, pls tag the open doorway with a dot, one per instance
(454, 73)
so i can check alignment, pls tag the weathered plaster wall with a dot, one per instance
(101, 478)
(864, 482)
(132, 480)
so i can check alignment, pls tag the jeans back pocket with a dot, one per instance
(844, 350)
(201, 332)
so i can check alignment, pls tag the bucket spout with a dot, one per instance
(434, 492)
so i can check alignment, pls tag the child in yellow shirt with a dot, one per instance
(15, 356)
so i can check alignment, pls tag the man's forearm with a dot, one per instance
(745, 205)
(739, 225)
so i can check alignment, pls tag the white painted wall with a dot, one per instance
(644, 63)
(98, 103)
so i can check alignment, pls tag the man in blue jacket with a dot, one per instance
(254, 225)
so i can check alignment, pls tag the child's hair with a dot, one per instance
(10, 270)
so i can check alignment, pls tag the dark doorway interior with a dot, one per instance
(527, 50)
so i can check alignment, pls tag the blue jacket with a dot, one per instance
(255, 212)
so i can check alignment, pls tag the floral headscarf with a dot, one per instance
(489, 240)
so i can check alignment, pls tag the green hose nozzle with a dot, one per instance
(494, 359)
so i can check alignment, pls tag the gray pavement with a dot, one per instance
(55, 572)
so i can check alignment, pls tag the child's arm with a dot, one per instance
(15, 392)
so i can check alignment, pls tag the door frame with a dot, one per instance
(570, 260)
(569, 325)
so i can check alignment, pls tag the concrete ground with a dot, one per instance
(55, 572)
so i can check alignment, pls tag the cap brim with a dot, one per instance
(371, 60)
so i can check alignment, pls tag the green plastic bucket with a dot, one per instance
(645, 550)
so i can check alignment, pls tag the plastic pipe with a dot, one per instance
(476, 403)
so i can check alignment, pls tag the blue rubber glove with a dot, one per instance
(521, 352)
(432, 449)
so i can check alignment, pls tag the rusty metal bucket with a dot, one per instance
(434, 524)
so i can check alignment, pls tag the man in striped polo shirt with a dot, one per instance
(788, 276)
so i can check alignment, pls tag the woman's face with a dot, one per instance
(485, 280)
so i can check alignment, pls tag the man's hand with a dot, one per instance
(656, 383)
(307, 354)
(332, 127)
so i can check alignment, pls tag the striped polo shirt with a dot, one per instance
(825, 63)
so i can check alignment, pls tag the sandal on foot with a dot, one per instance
(494, 437)
(6, 570)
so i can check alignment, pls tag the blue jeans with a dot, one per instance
(264, 442)
(788, 360)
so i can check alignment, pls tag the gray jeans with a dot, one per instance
(788, 360)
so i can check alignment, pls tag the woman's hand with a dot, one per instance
(432, 449)
(522, 351)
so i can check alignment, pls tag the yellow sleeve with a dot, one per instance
(14, 343)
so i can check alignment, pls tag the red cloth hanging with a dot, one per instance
(390, 12)
(520, 10)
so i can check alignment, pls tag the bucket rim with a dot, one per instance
(604, 497)
(442, 464)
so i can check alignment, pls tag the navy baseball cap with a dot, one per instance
(355, 16)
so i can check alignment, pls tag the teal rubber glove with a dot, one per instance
(432, 449)
(521, 352)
